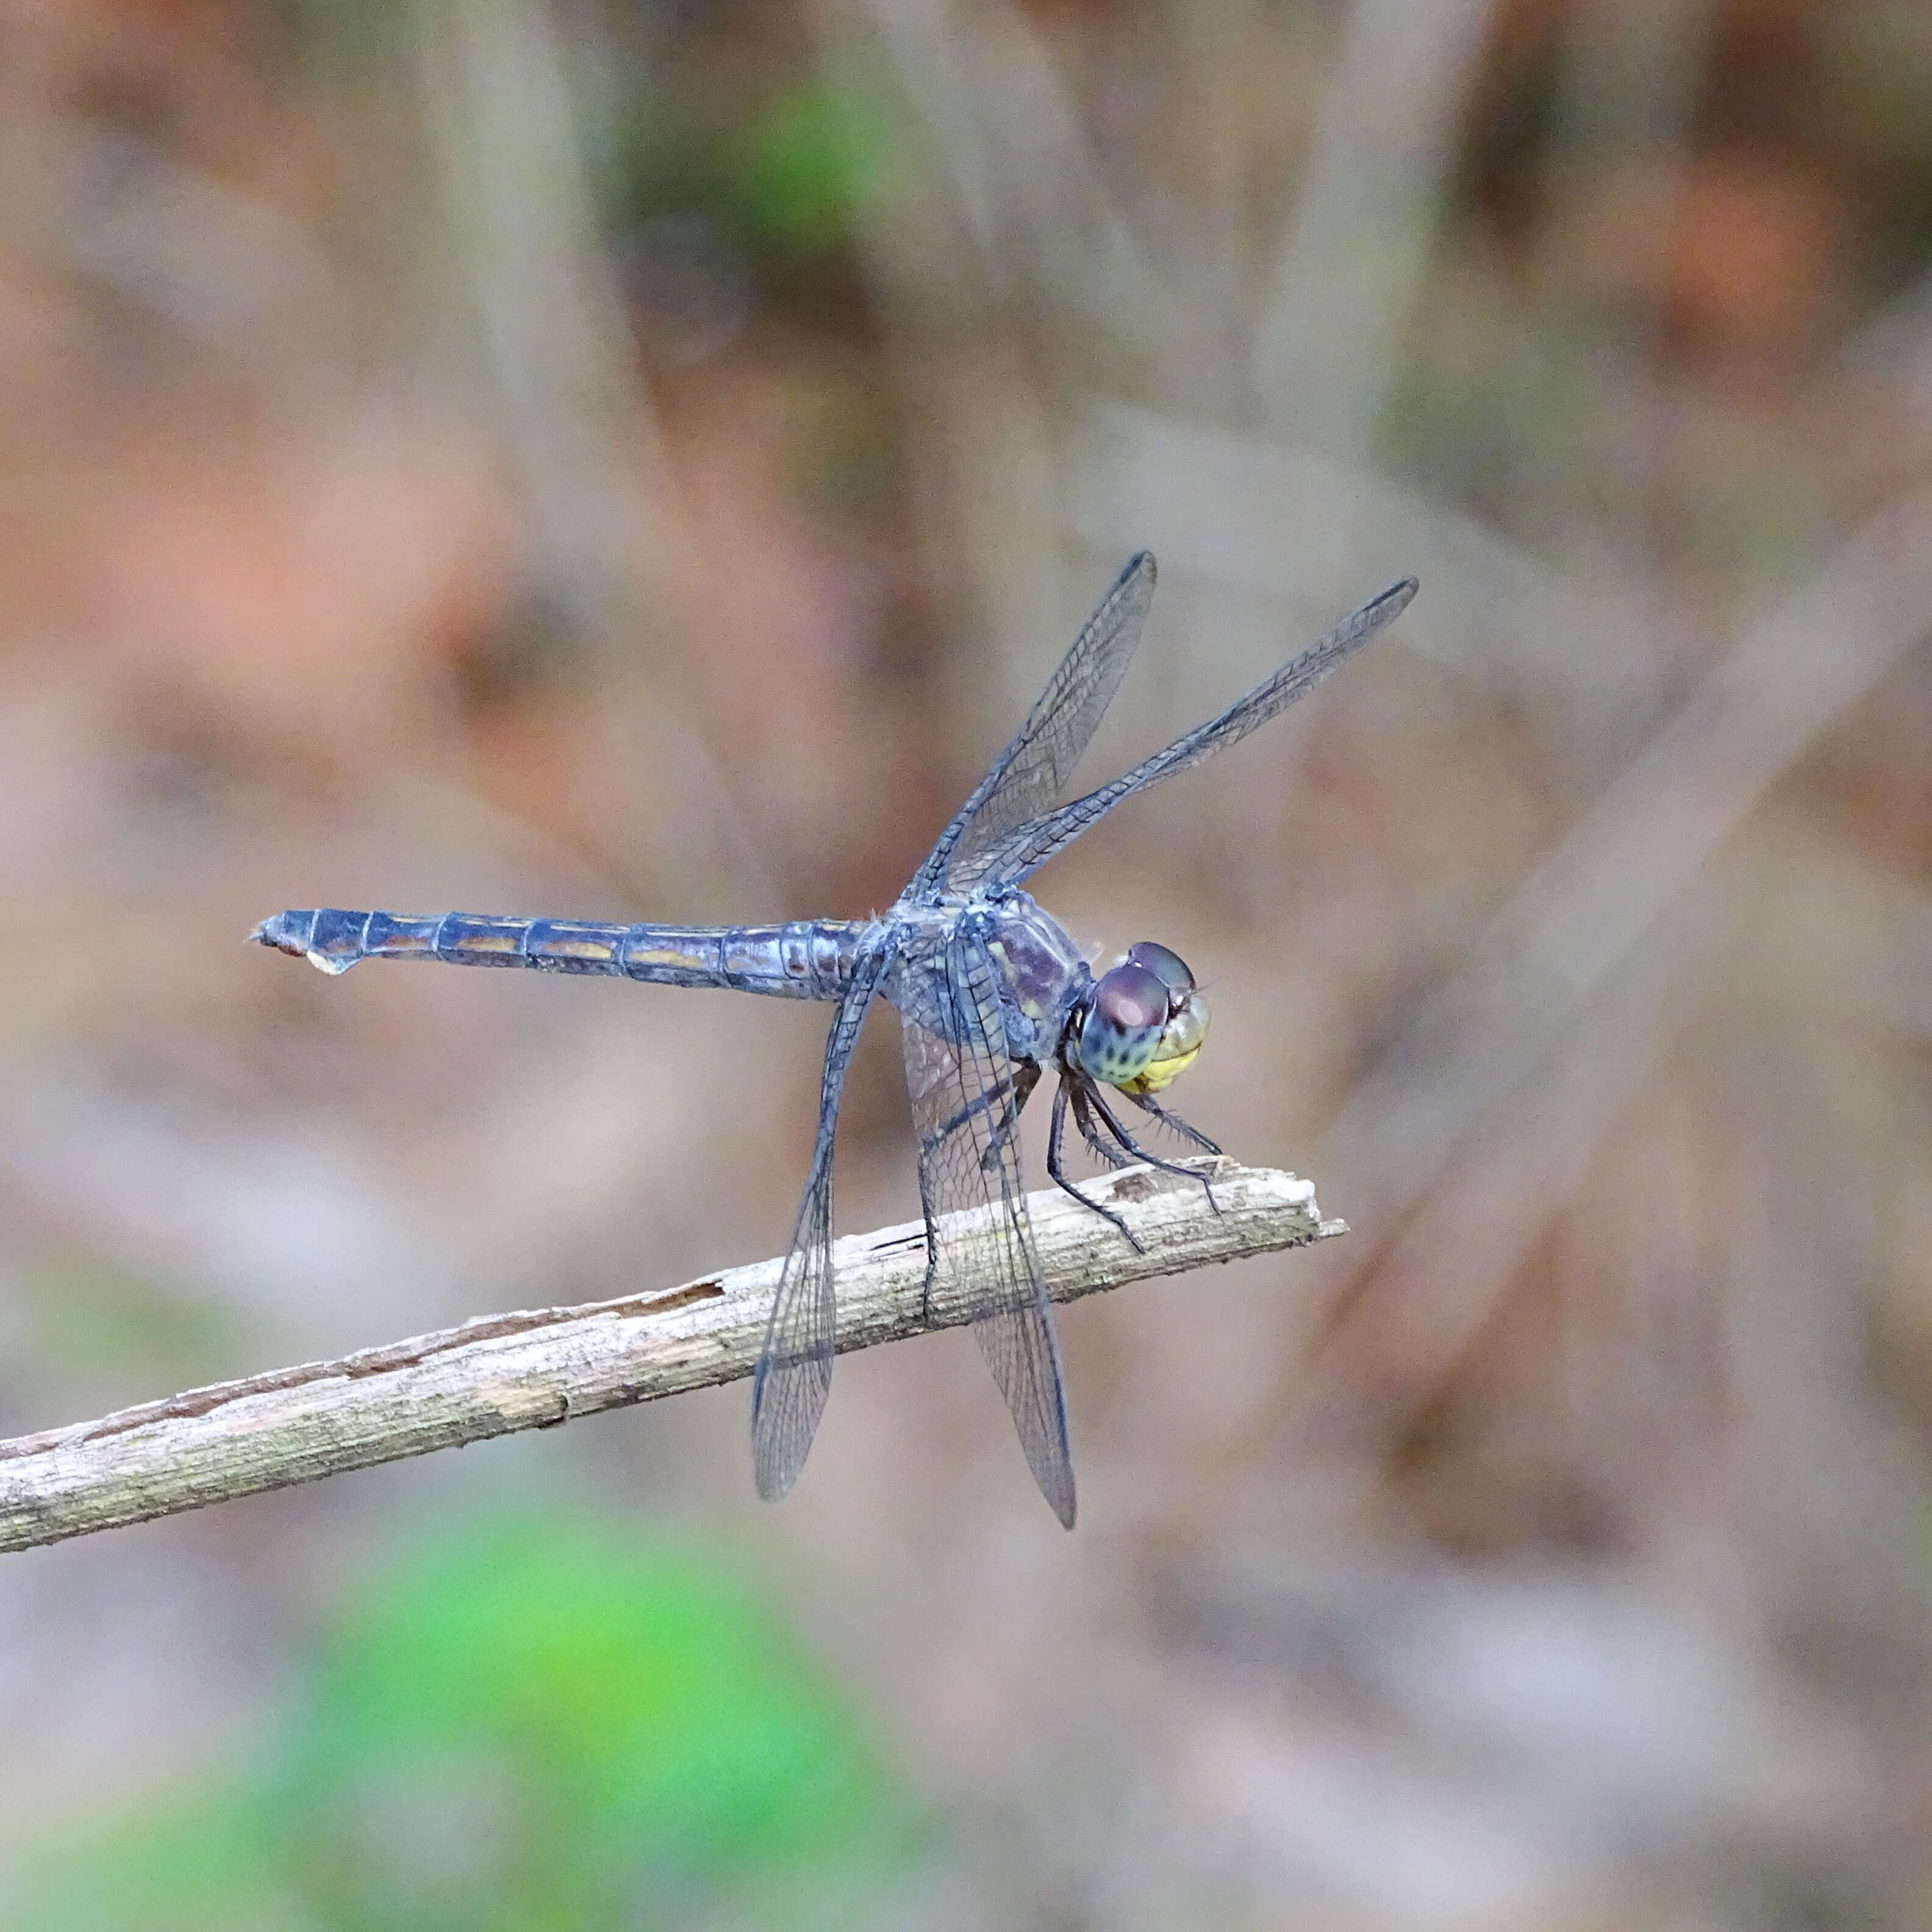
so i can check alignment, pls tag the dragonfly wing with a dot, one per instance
(1029, 846)
(984, 1265)
(794, 1372)
(1032, 771)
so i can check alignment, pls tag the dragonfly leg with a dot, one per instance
(1056, 1172)
(1147, 1104)
(1084, 1115)
(1016, 1092)
(1026, 1077)
(1127, 1141)
(931, 1241)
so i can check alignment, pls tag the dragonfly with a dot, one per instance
(992, 995)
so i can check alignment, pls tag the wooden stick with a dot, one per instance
(537, 1368)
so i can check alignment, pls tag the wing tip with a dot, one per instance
(788, 1398)
(773, 1471)
(1138, 577)
(774, 1485)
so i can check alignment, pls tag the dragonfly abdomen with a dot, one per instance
(804, 959)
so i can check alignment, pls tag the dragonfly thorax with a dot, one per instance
(1043, 974)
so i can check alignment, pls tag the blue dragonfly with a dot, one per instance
(992, 994)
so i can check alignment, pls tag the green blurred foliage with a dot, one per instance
(542, 1725)
(789, 177)
(816, 157)
(785, 160)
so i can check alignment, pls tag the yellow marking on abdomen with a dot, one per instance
(664, 955)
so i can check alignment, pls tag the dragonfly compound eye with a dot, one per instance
(1166, 965)
(1121, 1033)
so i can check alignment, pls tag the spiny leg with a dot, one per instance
(1026, 1077)
(931, 1242)
(1019, 1091)
(1083, 1115)
(1016, 1092)
(980, 1103)
(1056, 1173)
(1127, 1141)
(1147, 1104)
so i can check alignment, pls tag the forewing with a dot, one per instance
(986, 1265)
(1029, 846)
(794, 1372)
(1033, 771)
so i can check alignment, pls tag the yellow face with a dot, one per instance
(1181, 1042)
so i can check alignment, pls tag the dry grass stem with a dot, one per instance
(534, 1369)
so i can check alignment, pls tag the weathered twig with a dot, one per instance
(537, 1368)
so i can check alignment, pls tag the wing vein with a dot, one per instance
(985, 1265)
(794, 1372)
(1028, 846)
(1033, 771)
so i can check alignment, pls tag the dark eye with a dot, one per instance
(1167, 966)
(1131, 997)
(1121, 1032)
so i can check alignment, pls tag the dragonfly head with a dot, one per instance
(1145, 1021)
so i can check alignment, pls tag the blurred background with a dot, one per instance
(638, 461)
